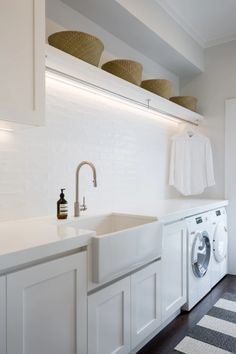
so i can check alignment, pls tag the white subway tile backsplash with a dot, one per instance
(130, 151)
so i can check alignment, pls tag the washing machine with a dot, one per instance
(199, 258)
(219, 265)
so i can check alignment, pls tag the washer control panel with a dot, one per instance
(194, 223)
(199, 220)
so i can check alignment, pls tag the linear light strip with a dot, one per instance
(6, 129)
(108, 93)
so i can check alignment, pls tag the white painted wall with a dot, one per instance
(230, 177)
(212, 88)
(61, 16)
(129, 149)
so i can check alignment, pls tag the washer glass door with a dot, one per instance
(201, 253)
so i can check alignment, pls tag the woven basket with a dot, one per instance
(79, 44)
(128, 70)
(159, 87)
(186, 101)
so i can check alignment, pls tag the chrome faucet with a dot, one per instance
(77, 206)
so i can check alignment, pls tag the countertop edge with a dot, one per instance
(30, 255)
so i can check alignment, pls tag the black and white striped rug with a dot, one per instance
(215, 333)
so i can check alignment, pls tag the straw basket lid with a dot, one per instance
(189, 102)
(160, 87)
(79, 44)
(128, 70)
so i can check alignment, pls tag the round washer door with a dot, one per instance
(220, 242)
(201, 253)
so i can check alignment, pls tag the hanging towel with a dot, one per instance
(191, 165)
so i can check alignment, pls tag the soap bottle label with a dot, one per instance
(63, 209)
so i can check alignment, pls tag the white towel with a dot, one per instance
(191, 165)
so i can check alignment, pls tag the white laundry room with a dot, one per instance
(117, 177)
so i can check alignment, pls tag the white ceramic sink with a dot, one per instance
(122, 243)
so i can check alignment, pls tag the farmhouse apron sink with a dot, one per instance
(122, 243)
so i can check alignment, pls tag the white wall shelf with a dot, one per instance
(157, 34)
(89, 77)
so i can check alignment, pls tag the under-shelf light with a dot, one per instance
(6, 129)
(92, 88)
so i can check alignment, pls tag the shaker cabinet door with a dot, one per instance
(22, 61)
(173, 268)
(145, 302)
(109, 319)
(47, 308)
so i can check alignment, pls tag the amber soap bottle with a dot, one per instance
(62, 207)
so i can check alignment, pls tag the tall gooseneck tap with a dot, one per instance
(77, 206)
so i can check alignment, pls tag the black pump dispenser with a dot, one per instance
(62, 211)
(62, 195)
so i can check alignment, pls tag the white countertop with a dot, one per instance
(28, 240)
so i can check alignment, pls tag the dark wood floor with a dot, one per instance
(170, 336)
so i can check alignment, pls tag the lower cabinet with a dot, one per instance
(109, 319)
(3, 315)
(123, 314)
(173, 268)
(47, 308)
(145, 302)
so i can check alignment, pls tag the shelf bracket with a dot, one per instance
(148, 102)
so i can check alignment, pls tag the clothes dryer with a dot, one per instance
(219, 265)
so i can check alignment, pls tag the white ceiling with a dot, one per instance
(209, 22)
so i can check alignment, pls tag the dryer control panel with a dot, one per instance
(218, 214)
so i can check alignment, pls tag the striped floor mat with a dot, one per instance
(215, 333)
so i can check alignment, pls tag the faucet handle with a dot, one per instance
(83, 207)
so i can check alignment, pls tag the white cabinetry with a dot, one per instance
(47, 308)
(173, 268)
(145, 302)
(2, 315)
(123, 314)
(109, 319)
(22, 64)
